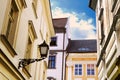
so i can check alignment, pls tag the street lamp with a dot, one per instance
(43, 52)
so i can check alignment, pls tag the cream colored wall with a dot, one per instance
(107, 69)
(43, 22)
(3, 6)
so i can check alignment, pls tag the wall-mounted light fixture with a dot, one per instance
(43, 52)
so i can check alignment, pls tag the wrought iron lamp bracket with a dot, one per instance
(25, 62)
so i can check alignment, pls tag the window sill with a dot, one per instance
(91, 75)
(51, 68)
(77, 75)
(53, 45)
(23, 3)
(8, 45)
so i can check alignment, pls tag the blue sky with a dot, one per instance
(82, 18)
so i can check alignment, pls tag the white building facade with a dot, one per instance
(56, 63)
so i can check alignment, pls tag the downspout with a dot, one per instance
(65, 65)
(63, 55)
(66, 57)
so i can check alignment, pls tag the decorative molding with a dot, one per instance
(114, 4)
(23, 2)
(31, 30)
(34, 10)
(118, 61)
(112, 29)
(8, 45)
(69, 63)
(6, 61)
(101, 13)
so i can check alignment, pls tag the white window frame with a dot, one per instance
(82, 69)
(94, 70)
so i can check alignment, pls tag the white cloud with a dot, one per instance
(85, 26)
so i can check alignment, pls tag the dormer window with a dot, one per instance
(83, 49)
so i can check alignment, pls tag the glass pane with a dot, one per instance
(88, 65)
(88, 71)
(92, 72)
(43, 50)
(80, 65)
(76, 73)
(80, 69)
(92, 66)
(76, 70)
(76, 65)
(80, 73)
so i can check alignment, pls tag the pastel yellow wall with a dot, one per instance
(84, 59)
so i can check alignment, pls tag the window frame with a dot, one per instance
(78, 70)
(34, 6)
(30, 37)
(10, 46)
(90, 70)
(49, 65)
(102, 28)
(53, 43)
(12, 20)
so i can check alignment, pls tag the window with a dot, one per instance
(90, 69)
(53, 41)
(12, 23)
(30, 42)
(78, 69)
(52, 62)
(83, 49)
(34, 5)
(102, 30)
(50, 78)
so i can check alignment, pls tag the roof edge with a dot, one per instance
(92, 4)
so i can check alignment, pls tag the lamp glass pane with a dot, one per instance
(43, 50)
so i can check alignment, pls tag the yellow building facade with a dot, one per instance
(24, 25)
(81, 60)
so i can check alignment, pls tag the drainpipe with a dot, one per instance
(65, 65)
(63, 55)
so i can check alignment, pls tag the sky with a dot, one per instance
(81, 17)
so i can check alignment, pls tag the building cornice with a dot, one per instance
(112, 29)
